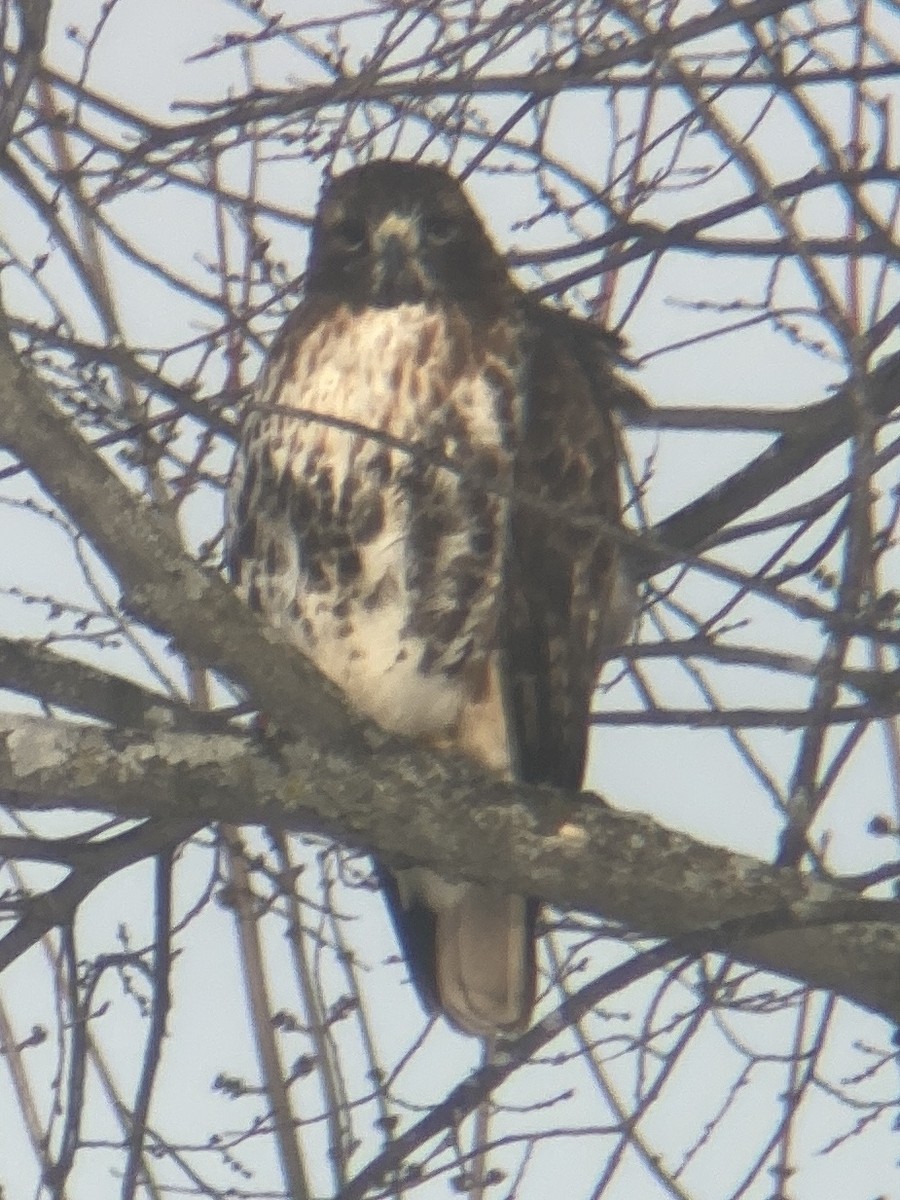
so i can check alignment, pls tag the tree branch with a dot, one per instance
(97, 861)
(817, 429)
(590, 69)
(33, 670)
(409, 804)
(33, 15)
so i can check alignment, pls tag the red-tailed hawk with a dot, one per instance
(444, 607)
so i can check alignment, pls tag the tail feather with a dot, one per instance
(483, 948)
(470, 949)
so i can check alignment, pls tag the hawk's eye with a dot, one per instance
(350, 235)
(440, 229)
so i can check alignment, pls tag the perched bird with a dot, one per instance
(461, 591)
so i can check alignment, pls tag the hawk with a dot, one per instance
(432, 527)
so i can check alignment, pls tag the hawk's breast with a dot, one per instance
(383, 564)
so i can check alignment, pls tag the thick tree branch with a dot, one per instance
(36, 671)
(409, 804)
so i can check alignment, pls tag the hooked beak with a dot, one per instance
(398, 276)
(393, 257)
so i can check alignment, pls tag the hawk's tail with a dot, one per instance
(470, 950)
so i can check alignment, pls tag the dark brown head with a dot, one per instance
(390, 233)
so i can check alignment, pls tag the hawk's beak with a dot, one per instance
(393, 256)
(398, 271)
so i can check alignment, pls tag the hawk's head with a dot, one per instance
(390, 233)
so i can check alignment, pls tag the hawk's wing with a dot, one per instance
(565, 595)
